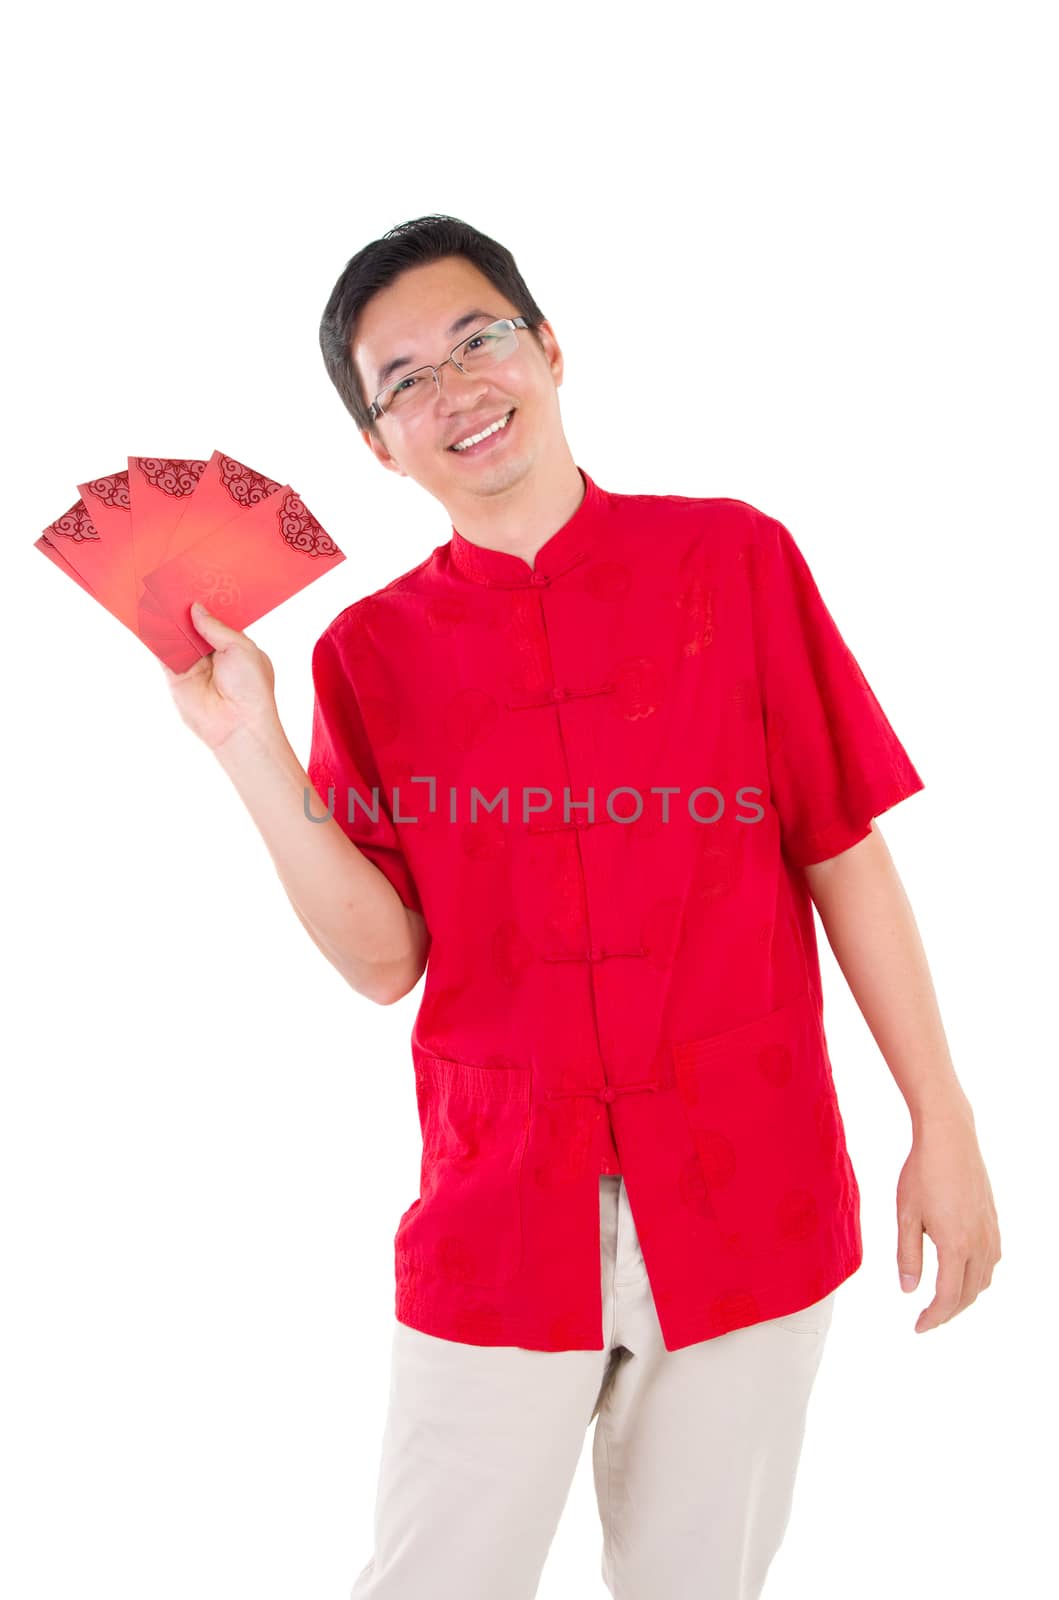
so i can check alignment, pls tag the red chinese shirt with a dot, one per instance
(628, 981)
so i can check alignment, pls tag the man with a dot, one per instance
(618, 751)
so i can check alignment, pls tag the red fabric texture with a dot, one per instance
(634, 987)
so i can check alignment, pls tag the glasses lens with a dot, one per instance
(408, 391)
(482, 349)
(494, 343)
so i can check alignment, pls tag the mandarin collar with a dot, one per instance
(562, 550)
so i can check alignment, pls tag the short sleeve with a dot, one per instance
(834, 760)
(341, 758)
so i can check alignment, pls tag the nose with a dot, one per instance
(462, 386)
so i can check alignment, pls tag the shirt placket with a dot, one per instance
(556, 698)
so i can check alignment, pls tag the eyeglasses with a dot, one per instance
(483, 349)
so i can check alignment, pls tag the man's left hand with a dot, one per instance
(944, 1190)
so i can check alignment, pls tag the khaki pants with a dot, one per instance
(694, 1453)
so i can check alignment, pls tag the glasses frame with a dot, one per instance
(375, 411)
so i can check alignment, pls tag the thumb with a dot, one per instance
(212, 629)
(909, 1256)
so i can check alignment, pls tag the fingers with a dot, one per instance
(194, 671)
(212, 629)
(909, 1251)
(948, 1295)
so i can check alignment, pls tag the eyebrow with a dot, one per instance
(400, 362)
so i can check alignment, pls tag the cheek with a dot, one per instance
(535, 399)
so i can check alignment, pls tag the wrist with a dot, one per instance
(255, 734)
(948, 1107)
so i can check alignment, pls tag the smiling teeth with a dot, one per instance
(475, 438)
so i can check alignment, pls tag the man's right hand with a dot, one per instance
(234, 687)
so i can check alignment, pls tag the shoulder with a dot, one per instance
(724, 532)
(719, 514)
(363, 614)
(334, 644)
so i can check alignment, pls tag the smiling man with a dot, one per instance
(589, 766)
(506, 490)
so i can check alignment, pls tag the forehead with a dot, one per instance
(408, 322)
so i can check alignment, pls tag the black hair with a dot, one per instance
(410, 244)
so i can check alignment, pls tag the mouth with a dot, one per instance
(492, 439)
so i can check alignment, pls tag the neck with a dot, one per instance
(521, 517)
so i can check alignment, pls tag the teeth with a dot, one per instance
(475, 437)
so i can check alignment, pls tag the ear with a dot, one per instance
(552, 353)
(380, 452)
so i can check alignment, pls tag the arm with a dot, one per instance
(347, 905)
(944, 1188)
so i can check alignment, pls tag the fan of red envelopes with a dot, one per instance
(148, 541)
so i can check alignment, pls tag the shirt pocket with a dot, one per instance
(760, 1103)
(466, 1226)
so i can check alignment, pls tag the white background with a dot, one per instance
(798, 256)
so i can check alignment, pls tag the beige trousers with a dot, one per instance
(694, 1453)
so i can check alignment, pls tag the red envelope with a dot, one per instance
(56, 555)
(225, 488)
(102, 566)
(146, 541)
(107, 563)
(248, 566)
(98, 566)
(160, 491)
(109, 566)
